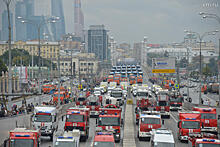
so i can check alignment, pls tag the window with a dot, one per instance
(66, 64)
(81, 64)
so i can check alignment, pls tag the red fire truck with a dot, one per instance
(163, 105)
(102, 139)
(94, 105)
(78, 118)
(81, 99)
(189, 124)
(110, 120)
(204, 142)
(23, 137)
(208, 119)
(148, 120)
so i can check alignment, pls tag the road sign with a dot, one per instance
(80, 86)
(177, 86)
(163, 65)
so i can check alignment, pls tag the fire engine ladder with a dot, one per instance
(129, 138)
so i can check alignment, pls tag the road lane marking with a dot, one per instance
(173, 117)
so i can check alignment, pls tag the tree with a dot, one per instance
(3, 67)
(213, 66)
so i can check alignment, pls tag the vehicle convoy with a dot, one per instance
(78, 118)
(45, 119)
(163, 105)
(103, 139)
(204, 142)
(189, 125)
(93, 104)
(68, 139)
(208, 119)
(110, 120)
(162, 138)
(118, 95)
(148, 120)
(22, 137)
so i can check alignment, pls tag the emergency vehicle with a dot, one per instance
(110, 100)
(81, 99)
(139, 79)
(117, 79)
(64, 95)
(176, 101)
(103, 139)
(45, 119)
(208, 119)
(163, 105)
(78, 118)
(204, 142)
(189, 125)
(22, 137)
(110, 120)
(47, 88)
(110, 78)
(162, 138)
(68, 139)
(132, 79)
(118, 95)
(93, 104)
(148, 120)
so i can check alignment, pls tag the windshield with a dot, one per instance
(207, 145)
(75, 118)
(21, 143)
(109, 121)
(142, 94)
(162, 103)
(93, 103)
(178, 100)
(104, 144)
(43, 118)
(81, 99)
(65, 144)
(208, 116)
(46, 87)
(163, 144)
(116, 94)
(150, 121)
(56, 95)
(190, 125)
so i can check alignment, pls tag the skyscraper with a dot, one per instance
(78, 19)
(5, 25)
(98, 42)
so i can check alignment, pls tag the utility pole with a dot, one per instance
(59, 76)
(219, 73)
(200, 70)
(39, 65)
(187, 73)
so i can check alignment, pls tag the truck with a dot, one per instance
(189, 124)
(68, 139)
(208, 119)
(93, 104)
(103, 138)
(64, 96)
(117, 79)
(176, 101)
(78, 118)
(139, 79)
(118, 95)
(81, 99)
(47, 88)
(22, 137)
(162, 138)
(110, 100)
(204, 142)
(110, 120)
(110, 78)
(132, 80)
(148, 120)
(45, 119)
(163, 105)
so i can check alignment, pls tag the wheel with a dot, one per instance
(51, 137)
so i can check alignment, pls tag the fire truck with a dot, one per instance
(132, 79)
(163, 105)
(117, 79)
(22, 137)
(81, 99)
(110, 78)
(118, 95)
(110, 120)
(208, 119)
(45, 119)
(47, 88)
(189, 125)
(103, 138)
(110, 100)
(93, 104)
(139, 79)
(176, 101)
(64, 95)
(204, 142)
(68, 139)
(78, 118)
(148, 120)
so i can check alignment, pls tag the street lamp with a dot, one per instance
(201, 36)
(210, 15)
(39, 26)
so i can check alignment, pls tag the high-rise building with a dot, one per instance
(5, 25)
(78, 19)
(98, 42)
(42, 7)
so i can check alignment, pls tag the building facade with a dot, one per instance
(5, 25)
(78, 19)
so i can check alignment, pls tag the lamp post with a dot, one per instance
(39, 26)
(210, 15)
(201, 36)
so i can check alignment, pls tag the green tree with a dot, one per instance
(3, 67)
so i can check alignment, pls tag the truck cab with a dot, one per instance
(207, 142)
(139, 79)
(132, 80)
(208, 119)
(63, 96)
(103, 139)
(45, 119)
(162, 138)
(68, 139)
(93, 104)
(110, 120)
(22, 137)
(147, 122)
(118, 95)
(189, 124)
(163, 105)
(78, 118)
(81, 99)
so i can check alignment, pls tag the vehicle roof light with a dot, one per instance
(22, 135)
(209, 140)
(190, 118)
(206, 110)
(116, 113)
(60, 137)
(75, 112)
(44, 112)
(101, 133)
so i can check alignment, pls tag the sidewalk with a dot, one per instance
(129, 138)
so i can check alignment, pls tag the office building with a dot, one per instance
(5, 25)
(78, 19)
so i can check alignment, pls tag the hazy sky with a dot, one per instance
(160, 20)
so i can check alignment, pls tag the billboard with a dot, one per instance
(163, 65)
